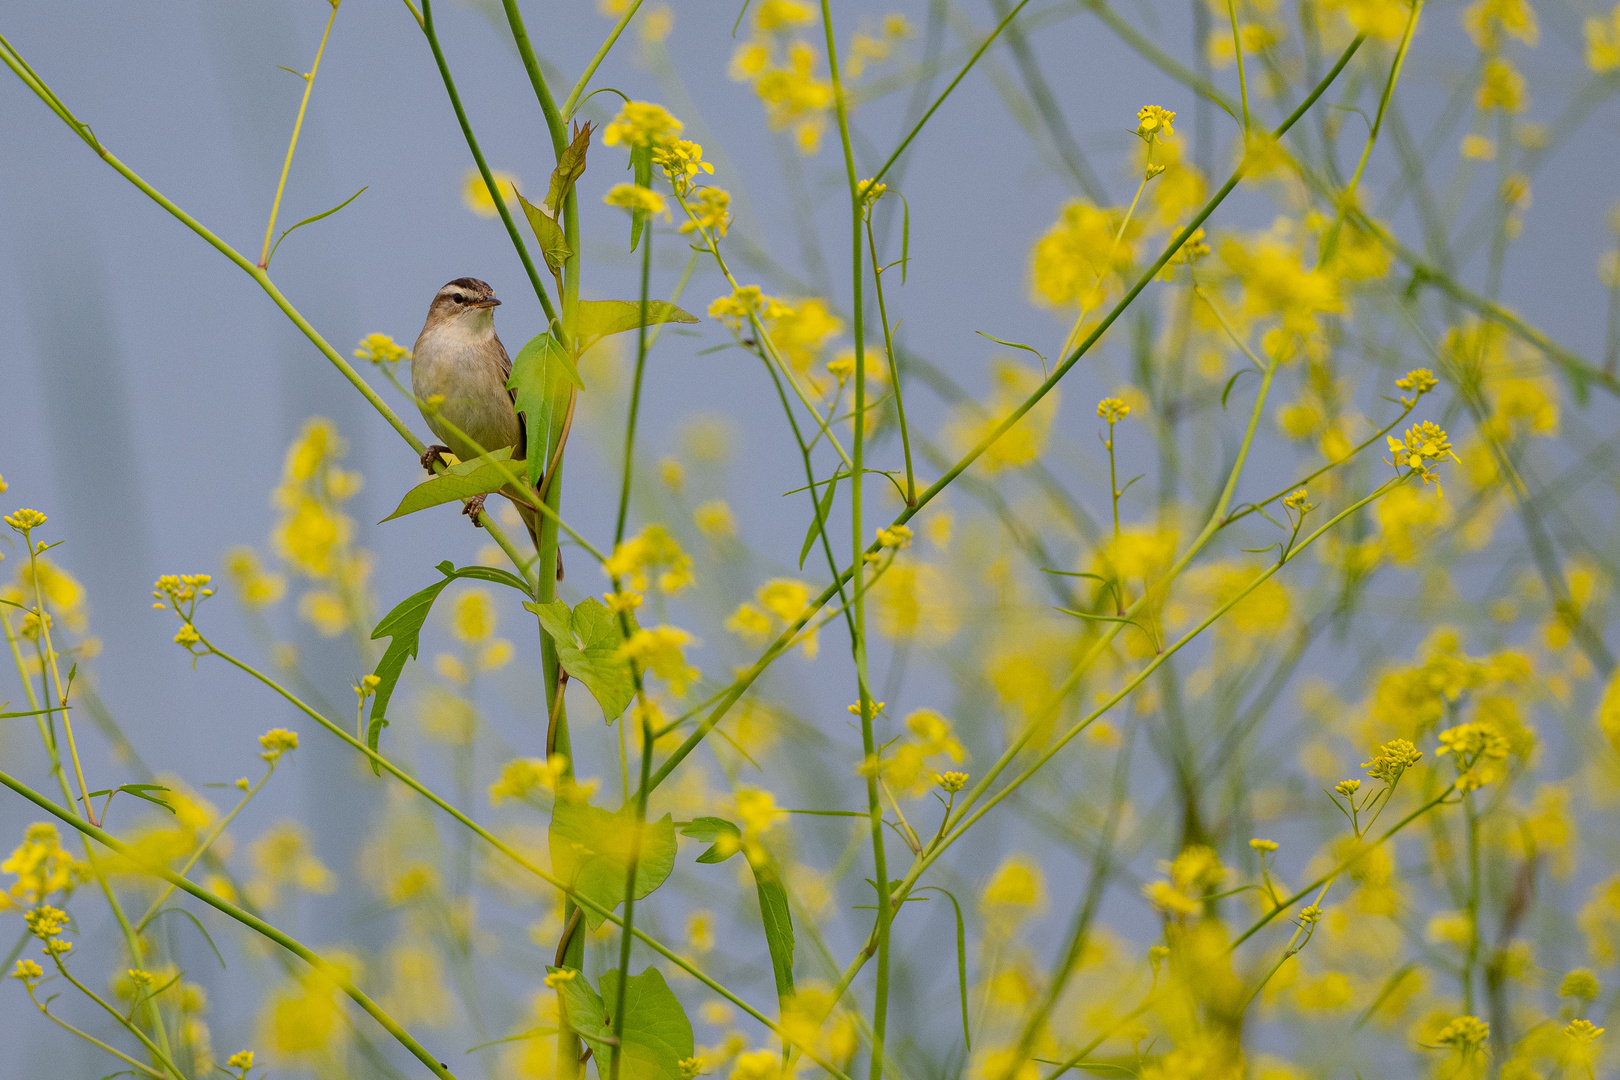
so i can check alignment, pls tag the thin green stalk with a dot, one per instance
(635, 387)
(293, 946)
(1349, 196)
(151, 1047)
(868, 709)
(633, 864)
(781, 643)
(894, 367)
(140, 1067)
(484, 834)
(292, 144)
(567, 111)
(208, 842)
(960, 75)
(484, 170)
(1243, 79)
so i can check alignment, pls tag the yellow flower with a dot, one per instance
(1113, 410)
(713, 519)
(282, 858)
(641, 124)
(1582, 984)
(42, 866)
(633, 197)
(1017, 884)
(710, 209)
(242, 1059)
(27, 971)
(1465, 1033)
(1153, 121)
(25, 519)
(756, 811)
(381, 349)
(781, 14)
(681, 160)
(659, 651)
(325, 611)
(1487, 20)
(652, 549)
(1501, 87)
(1603, 42)
(46, 922)
(472, 618)
(475, 194)
(1082, 258)
(1423, 446)
(278, 741)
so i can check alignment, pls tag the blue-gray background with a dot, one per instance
(148, 389)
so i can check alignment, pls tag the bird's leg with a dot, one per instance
(432, 454)
(474, 508)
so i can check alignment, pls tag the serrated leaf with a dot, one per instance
(656, 1037)
(463, 480)
(541, 374)
(588, 642)
(724, 838)
(590, 851)
(569, 168)
(553, 244)
(599, 318)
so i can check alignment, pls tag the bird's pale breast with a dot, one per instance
(465, 369)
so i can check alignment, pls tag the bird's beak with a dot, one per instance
(491, 302)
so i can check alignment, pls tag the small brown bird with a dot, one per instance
(459, 358)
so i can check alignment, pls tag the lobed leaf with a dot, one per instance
(590, 851)
(588, 642)
(656, 1035)
(570, 167)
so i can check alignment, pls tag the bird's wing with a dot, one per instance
(504, 363)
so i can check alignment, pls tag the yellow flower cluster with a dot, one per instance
(781, 66)
(653, 549)
(42, 866)
(1603, 42)
(381, 349)
(776, 604)
(642, 125)
(1080, 261)
(660, 651)
(635, 198)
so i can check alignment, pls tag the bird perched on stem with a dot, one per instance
(459, 371)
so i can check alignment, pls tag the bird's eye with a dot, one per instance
(458, 298)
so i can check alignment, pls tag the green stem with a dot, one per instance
(1243, 79)
(894, 367)
(293, 946)
(635, 390)
(483, 167)
(292, 144)
(573, 97)
(868, 709)
(207, 843)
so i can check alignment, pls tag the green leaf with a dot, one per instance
(588, 642)
(961, 963)
(724, 838)
(553, 244)
(463, 480)
(403, 628)
(309, 220)
(657, 1036)
(641, 162)
(599, 318)
(540, 380)
(590, 851)
(569, 169)
(773, 910)
(819, 522)
(137, 790)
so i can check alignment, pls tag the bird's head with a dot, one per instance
(465, 303)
